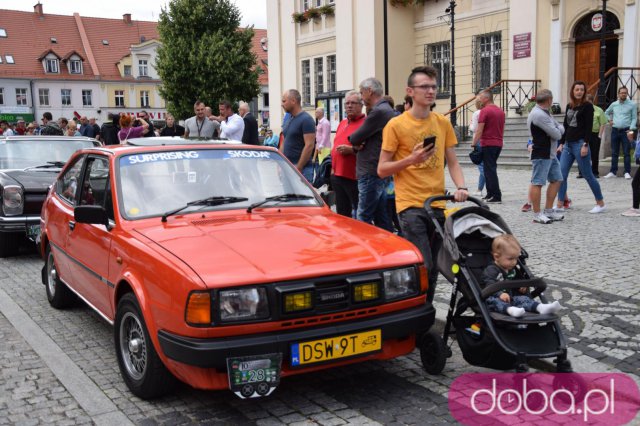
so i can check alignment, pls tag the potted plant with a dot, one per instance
(327, 10)
(312, 13)
(299, 17)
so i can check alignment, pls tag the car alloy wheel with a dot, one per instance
(140, 366)
(58, 294)
(133, 346)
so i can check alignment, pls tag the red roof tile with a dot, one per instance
(26, 51)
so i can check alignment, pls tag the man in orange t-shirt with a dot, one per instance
(418, 171)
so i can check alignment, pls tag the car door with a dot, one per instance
(59, 212)
(88, 245)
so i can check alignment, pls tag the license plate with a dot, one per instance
(254, 376)
(333, 348)
(33, 232)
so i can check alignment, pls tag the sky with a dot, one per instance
(254, 12)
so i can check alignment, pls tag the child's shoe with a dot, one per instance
(515, 312)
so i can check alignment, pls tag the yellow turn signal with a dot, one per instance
(424, 278)
(365, 292)
(295, 302)
(199, 308)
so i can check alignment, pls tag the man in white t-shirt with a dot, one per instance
(199, 126)
(231, 124)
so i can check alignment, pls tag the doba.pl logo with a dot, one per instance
(542, 398)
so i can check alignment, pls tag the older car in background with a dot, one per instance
(219, 265)
(28, 166)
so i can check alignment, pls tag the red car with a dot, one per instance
(219, 265)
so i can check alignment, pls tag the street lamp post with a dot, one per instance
(451, 11)
(603, 55)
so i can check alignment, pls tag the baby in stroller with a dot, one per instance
(505, 250)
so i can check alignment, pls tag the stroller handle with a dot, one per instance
(431, 200)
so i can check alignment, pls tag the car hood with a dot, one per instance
(254, 248)
(33, 181)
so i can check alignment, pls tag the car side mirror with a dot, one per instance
(91, 214)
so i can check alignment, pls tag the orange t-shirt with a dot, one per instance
(416, 183)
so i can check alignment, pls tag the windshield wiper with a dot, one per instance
(210, 201)
(281, 197)
(49, 165)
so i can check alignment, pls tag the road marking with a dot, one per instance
(88, 395)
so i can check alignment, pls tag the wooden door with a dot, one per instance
(588, 61)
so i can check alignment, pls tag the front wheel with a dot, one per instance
(58, 295)
(141, 368)
(433, 353)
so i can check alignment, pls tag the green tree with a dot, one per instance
(204, 55)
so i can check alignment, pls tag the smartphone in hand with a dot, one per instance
(428, 142)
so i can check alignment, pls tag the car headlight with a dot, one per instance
(400, 283)
(243, 304)
(12, 200)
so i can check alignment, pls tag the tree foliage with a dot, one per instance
(204, 55)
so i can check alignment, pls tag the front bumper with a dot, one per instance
(213, 353)
(18, 223)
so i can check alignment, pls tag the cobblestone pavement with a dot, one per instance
(587, 259)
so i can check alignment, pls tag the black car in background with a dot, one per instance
(28, 166)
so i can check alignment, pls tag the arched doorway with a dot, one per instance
(587, 63)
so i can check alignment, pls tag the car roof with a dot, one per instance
(47, 138)
(177, 140)
(177, 143)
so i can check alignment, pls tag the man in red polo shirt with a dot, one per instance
(343, 158)
(489, 134)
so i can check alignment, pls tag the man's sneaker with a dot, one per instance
(598, 209)
(627, 176)
(541, 218)
(493, 200)
(559, 210)
(609, 175)
(553, 215)
(526, 207)
(632, 213)
(477, 194)
(567, 204)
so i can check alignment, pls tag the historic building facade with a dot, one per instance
(553, 41)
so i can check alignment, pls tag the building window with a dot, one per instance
(318, 75)
(1, 95)
(127, 70)
(306, 82)
(143, 68)
(65, 94)
(265, 99)
(51, 66)
(9, 59)
(438, 56)
(305, 5)
(331, 73)
(3, 32)
(86, 98)
(75, 66)
(119, 98)
(488, 60)
(43, 94)
(144, 99)
(21, 97)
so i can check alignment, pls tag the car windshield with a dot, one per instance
(154, 183)
(26, 153)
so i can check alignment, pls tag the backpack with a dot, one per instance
(51, 129)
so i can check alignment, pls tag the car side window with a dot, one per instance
(67, 185)
(95, 184)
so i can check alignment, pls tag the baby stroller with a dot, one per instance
(488, 339)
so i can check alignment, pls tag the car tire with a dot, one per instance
(140, 366)
(433, 353)
(9, 243)
(58, 293)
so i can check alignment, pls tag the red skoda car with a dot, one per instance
(219, 265)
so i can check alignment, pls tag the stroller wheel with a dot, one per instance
(571, 382)
(433, 353)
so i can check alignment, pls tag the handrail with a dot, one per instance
(494, 85)
(608, 73)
